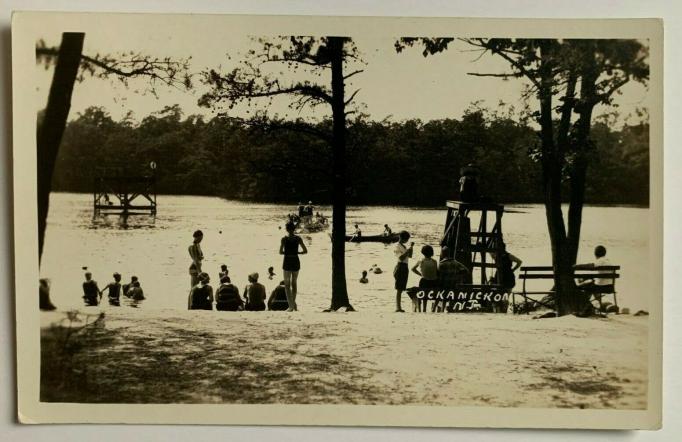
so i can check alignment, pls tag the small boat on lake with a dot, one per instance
(386, 239)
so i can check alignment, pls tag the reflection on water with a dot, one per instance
(124, 222)
(246, 237)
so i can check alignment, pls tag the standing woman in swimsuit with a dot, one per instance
(291, 265)
(197, 257)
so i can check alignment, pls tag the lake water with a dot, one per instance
(246, 237)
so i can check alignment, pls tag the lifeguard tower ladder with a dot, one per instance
(471, 247)
(118, 192)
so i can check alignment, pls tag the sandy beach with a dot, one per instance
(171, 356)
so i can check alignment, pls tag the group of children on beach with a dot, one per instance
(439, 274)
(92, 295)
(227, 298)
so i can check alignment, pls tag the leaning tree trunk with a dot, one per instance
(339, 288)
(51, 129)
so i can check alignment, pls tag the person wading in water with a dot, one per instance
(197, 257)
(291, 264)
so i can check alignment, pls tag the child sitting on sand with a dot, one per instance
(227, 296)
(91, 292)
(254, 294)
(114, 290)
(427, 268)
(364, 279)
(201, 295)
(278, 298)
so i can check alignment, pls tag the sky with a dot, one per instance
(394, 86)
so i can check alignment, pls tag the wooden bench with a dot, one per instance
(547, 273)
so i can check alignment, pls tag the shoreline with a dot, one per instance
(466, 359)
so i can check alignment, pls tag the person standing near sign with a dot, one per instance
(197, 257)
(401, 271)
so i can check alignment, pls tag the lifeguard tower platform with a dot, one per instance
(471, 245)
(119, 191)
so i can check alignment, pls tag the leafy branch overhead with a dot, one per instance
(254, 77)
(157, 70)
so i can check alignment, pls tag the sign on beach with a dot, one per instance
(463, 299)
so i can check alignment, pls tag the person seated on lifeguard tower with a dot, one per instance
(468, 183)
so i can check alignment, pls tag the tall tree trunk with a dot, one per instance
(581, 147)
(51, 129)
(339, 288)
(552, 168)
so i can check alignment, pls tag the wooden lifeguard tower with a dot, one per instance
(116, 191)
(471, 246)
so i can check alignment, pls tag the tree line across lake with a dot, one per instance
(407, 163)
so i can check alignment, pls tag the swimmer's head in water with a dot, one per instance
(253, 277)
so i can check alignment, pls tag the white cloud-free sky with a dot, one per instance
(395, 86)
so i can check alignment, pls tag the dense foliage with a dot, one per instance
(409, 162)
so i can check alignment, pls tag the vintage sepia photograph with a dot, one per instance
(450, 215)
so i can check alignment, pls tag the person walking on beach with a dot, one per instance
(201, 295)
(427, 268)
(197, 257)
(289, 247)
(91, 293)
(227, 296)
(401, 271)
(114, 289)
(254, 294)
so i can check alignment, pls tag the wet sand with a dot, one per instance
(174, 356)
